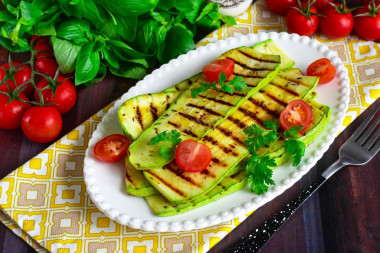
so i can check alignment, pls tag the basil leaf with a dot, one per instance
(13, 47)
(229, 20)
(209, 23)
(30, 13)
(129, 70)
(6, 16)
(110, 57)
(166, 4)
(127, 7)
(207, 9)
(178, 41)
(126, 26)
(65, 53)
(73, 29)
(101, 74)
(189, 8)
(43, 30)
(87, 65)
(122, 47)
(85, 9)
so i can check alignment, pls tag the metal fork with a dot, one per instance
(360, 148)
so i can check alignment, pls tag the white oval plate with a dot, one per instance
(105, 181)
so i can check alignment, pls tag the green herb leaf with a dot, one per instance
(73, 28)
(272, 124)
(172, 139)
(127, 7)
(229, 20)
(238, 83)
(202, 88)
(258, 138)
(260, 174)
(189, 8)
(66, 54)
(296, 148)
(30, 13)
(293, 132)
(87, 65)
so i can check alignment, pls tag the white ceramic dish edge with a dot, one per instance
(246, 207)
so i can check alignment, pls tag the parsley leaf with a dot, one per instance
(237, 84)
(260, 174)
(172, 139)
(293, 132)
(258, 167)
(296, 148)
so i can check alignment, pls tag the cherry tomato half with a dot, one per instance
(111, 148)
(296, 113)
(192, 156)
(213, 69)
(322, 68)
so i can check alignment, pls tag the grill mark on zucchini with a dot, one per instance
(139, 117)
(216, 143)
(203, 108)
(293, 81)
(217, 161)
(179, 173)
(129, 178)
(229, 134)
(179, 192)
(274, 98)
(285, 89)
(219, 101)
(252, 115)
(167, 102)
(247, 67)
(256, 58)
(234, 94)
(275, 114)
(247, 76)
(153, 111)
(237, 122)
(193, 119)
(185, 131)
(207, 173)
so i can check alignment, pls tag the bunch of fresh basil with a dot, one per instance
(127, 37)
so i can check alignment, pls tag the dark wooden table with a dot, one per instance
(343, 216)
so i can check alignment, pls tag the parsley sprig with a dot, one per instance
(171, 139)
(258, 167)
(237, 84)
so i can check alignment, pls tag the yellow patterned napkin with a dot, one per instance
(45, 200)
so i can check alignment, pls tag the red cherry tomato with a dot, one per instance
(280, 7)
(334, 24)
(43, 46)
(22, 74)
(322, 68)
(320, 4)
(192, 156)
(297, 22)
(213, 69)
(11, 112)
(296, 113)
(111, 148)
(46, 65)
(64, 97)
(41, 124)
(367, 27)
(367, 2)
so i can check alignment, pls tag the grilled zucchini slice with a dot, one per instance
(192, 117)
(226, 140)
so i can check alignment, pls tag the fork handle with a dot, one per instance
(254, 241)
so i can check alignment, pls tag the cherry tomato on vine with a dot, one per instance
(280, 7)
(21, 74)
(368, 26)
(322, 68)
(41, 124)
(11, 110)
(336, 22)
(296, 113)
(111, 148)
(65, 94)
(213, 69)
(367, 2)
(42, 45)
(192, 156)
(320, 4)
(297, 20)
(46, 65)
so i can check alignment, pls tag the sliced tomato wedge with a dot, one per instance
(111, 148)
(296, 113)
(192, 156)
(322, 68)
(213, 70)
